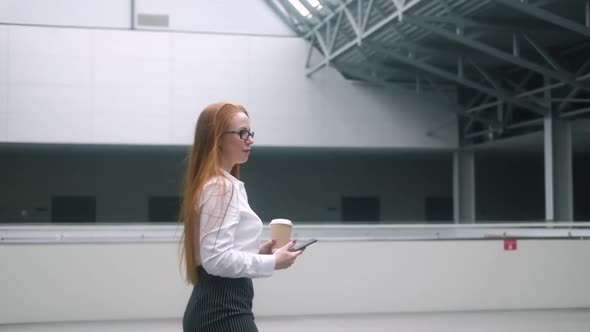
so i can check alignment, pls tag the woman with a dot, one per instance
(221, 232)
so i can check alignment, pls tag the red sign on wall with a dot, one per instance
(510, 245)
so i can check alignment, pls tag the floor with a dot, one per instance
(571, 320)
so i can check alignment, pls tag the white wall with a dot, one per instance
(139, 87)
(71, 282)
(77, 13)
(3, 81)
(219, 16)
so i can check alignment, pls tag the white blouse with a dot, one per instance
(230, 232)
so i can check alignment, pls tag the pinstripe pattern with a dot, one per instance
(219, 304)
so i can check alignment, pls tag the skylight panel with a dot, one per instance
(315, 4)
(300, 8)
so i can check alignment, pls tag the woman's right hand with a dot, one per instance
(284, 257)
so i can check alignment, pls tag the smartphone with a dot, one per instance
(303, 244)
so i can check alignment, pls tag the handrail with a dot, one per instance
(115, 233)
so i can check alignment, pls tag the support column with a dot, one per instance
(464, 187)
(558, 170)
(558, 167)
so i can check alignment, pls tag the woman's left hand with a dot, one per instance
(266, 247)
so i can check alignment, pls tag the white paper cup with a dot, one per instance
(280, 231)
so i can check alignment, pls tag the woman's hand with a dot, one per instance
(284, 257)
(266, 247)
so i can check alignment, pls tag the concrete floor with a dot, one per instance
(562, 320)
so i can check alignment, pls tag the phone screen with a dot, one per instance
(303, 244)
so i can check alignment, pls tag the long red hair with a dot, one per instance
(204, 162)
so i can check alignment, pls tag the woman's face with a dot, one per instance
(236, 149)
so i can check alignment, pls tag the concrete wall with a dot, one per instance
(136, 281)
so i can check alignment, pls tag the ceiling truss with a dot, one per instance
(506, 64)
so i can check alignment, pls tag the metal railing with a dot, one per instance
(59, 234)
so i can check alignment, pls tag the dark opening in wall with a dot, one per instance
(163, 208)
(365, 209)
(73, 209)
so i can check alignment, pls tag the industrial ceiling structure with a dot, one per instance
(509, 64)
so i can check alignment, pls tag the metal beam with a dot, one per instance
(369, 32)
(528, 123)
(574, 91)
(329, 17)
(546, 16)
(500, 113)
(492, 25)
(532, 92)
(359, 14)
(349, 17)
(520, 89)
(405, 44)
(450, 120)
(295, 14)
(374, 69)
(445, 4)
(542, 3)
(550, 60)
(486, 75)
(335, 32)
(303, 23)
(311, 9)
(353, 23)
(440, 92)
(469, 106)
(475, 99)
(494, 52)
(460, 67)
(579, 47)
(360, 72)
(310, 51)
(576, 112)
(322, 43)
(572, 100)
(285, 18)
(365, 19)
(461, 80)
(515, 46)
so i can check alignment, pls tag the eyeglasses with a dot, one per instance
(243, 133)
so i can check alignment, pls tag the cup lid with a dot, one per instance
(281, 221)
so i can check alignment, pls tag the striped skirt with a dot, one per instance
(219, 304)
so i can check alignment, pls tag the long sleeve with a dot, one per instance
(230, 233)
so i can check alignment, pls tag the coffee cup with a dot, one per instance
(280, 231)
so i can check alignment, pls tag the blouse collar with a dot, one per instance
(232, 178)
